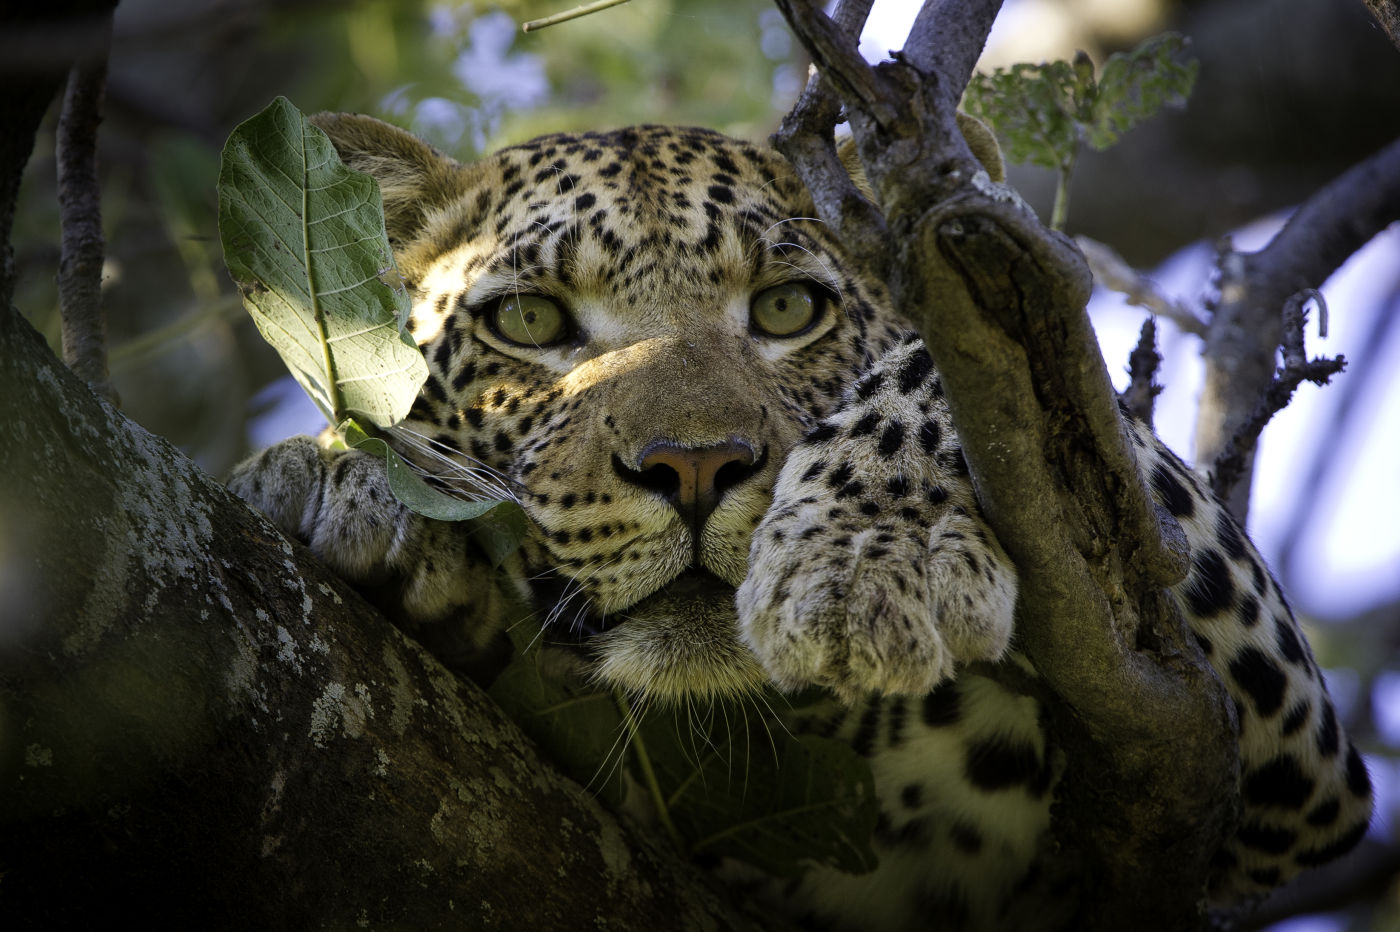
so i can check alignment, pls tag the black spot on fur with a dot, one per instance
(866, 425)
(1315, 856)
(1280, 783)
(1325, 812)
(1173, 494)
(912, 795)
(1296, 718)
(1328, 735)
(1209, 590)
(915, 369)
(819, 433)
(840, 475)
(966, 837)
(930, 434)
(864, 739)
(1288, 643)
(892, 439)
(942, 707)
(1265, 876)
(1268, 839)
(1259, 676)
(1358, 780)
(1001, 762)
(1229, 534)
(896, 712)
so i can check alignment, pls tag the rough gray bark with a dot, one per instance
(200, 725)
(1001, 300)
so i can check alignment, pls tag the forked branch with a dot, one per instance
(1000, 300)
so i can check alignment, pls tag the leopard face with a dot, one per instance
(632, 329)
(740, 468)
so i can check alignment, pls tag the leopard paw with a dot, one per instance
(888, 608)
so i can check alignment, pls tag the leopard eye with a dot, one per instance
(785, 310)
(530, 320)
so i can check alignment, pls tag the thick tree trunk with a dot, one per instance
(200, 724)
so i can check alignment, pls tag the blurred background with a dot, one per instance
(1290, 93)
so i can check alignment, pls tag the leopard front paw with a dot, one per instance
(887, 608)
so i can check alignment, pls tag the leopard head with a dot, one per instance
(630, 330)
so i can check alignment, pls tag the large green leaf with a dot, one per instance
(303, 237)
(740, 786)
(725, 778)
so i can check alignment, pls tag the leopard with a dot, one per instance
(740, 471)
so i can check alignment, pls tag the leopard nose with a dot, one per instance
(693, 479)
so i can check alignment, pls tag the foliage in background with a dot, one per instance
(185, 361)
(1041, 113)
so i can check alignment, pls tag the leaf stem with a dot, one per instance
(658, 798)
(567, 15)
(1060, 212)
(333, 395)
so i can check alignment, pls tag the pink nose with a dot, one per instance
(693, 479)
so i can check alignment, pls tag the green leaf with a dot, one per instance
(1032, 110)
(1135, 85)
(497, 525)
(581, 729)
(763, 796)
(727, 779)
(303, 237)
(1039, 113)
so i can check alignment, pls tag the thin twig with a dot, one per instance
(1244, 330)
(1113, 272)
(567, 15)
(1143, 361)
(805, 137)
(80, 208)
(1229, 466)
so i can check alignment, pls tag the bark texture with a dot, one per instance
(1000, 300)
(200, 726)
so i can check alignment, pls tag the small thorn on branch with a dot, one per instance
(1143, 361)
(1297, 368)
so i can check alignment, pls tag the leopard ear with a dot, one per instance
(979, 139)
(983, 145)
(413, 177)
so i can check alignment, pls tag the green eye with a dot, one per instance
(785, 310)
(530, 320)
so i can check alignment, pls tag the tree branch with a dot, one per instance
(1143, 361)
(1000, 300)
(203, 726)
(947, 38)
(1246, 328)
(1230, 463)
(80, 209)
(1113, 272)
(805, 136)
(1387, 14)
